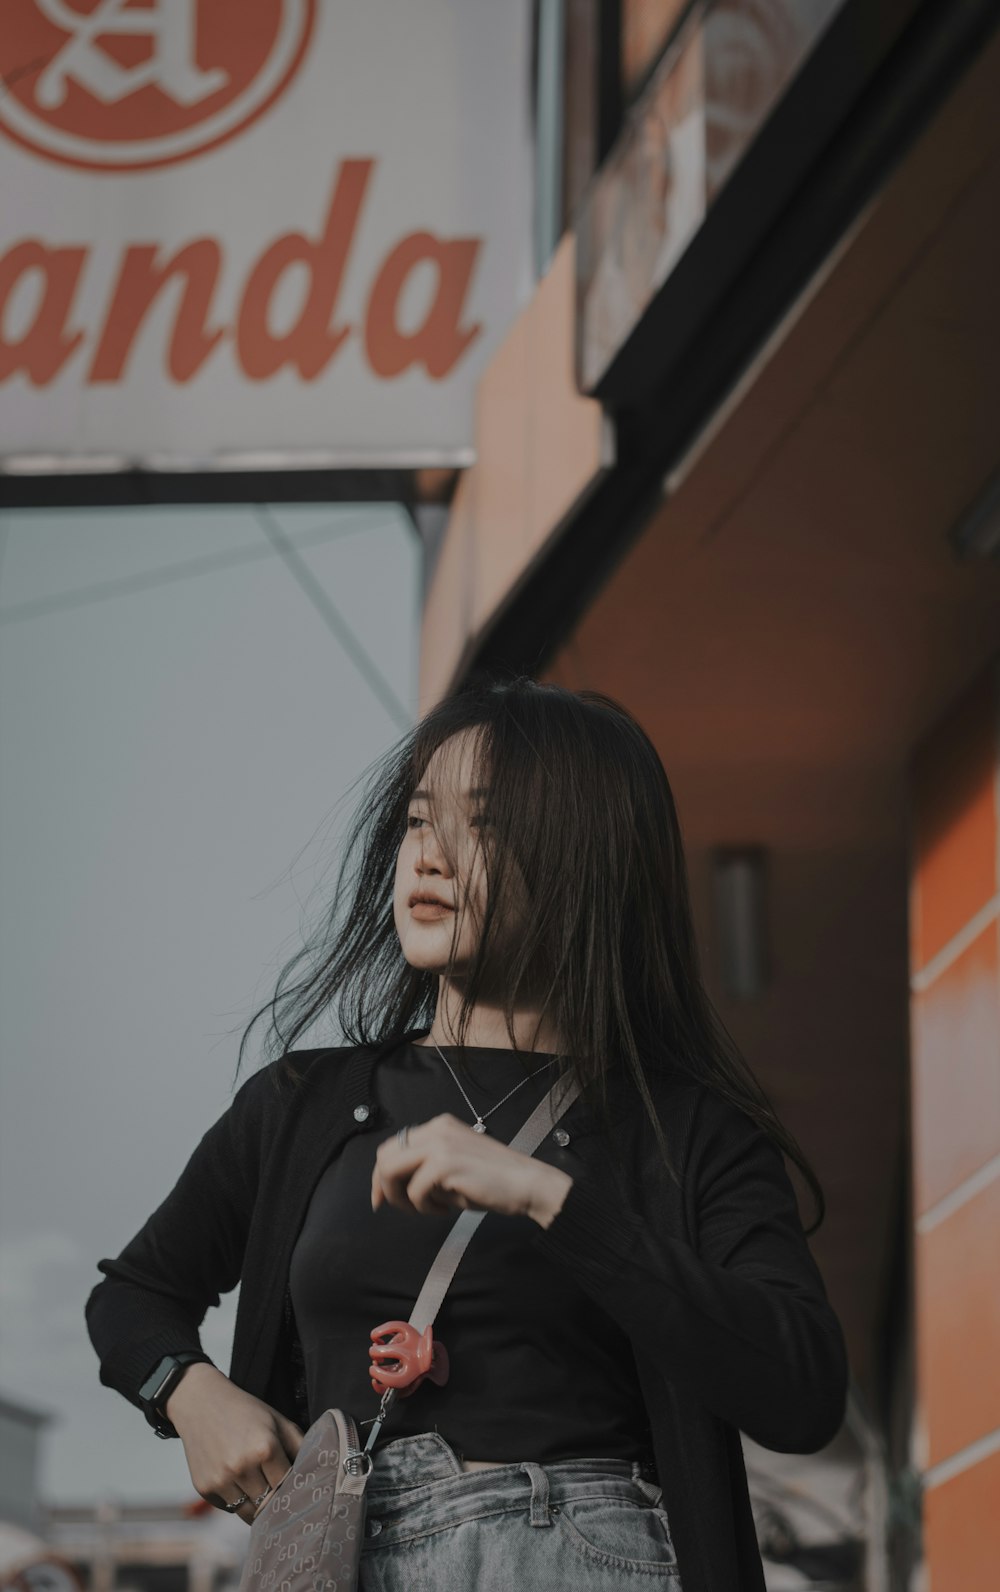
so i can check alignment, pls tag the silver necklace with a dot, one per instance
(479, 1126)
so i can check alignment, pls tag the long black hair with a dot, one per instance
(582, 816)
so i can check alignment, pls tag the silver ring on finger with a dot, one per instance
(401, 1133)
(231, 1508)
(260, 1500)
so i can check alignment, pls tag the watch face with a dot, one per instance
(162, 1380)
(166, 1384)
(152, 1382)
(158, 1377)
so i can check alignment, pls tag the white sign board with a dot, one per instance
(243, 231)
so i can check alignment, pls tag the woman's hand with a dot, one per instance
(233, 1442)
(445, 1165)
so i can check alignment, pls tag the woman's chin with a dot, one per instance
(427, 958)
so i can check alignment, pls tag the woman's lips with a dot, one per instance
(428, 911)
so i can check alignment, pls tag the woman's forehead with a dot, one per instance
(450, 769)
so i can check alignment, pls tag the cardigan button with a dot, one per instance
(362, 1113)
(560, 1135)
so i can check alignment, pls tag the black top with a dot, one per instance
(537, 1370)
(710, 1277)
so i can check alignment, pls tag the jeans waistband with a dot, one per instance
(427, 1456)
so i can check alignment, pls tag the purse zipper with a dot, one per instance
(354, 1443)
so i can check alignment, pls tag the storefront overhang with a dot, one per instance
(806, 205)
(768, 575)
(794, 617)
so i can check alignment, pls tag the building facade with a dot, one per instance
(737, 465)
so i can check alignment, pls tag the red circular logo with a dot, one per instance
(112, 85)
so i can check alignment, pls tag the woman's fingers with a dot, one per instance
(235, 1443)
(391, 1185)
(426, 1193)
(248, 1508)
(403, 1173)
(253, 1486)
(445, 1166)
(292, 1437)
(417, 1187)
(257, 1482)
(397, 1191)
(274, 1469)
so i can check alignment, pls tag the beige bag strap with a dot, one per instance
(541, 1121)
(527, 1139)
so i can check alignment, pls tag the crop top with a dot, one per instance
(537, 1370)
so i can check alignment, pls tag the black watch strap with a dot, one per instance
(158, 1386)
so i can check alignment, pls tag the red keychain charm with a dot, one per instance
(419, 1354)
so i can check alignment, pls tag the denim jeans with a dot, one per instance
(592, 1525)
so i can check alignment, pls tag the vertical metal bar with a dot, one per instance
(549, 132)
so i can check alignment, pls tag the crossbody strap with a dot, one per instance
(445, 1264)
(541, 1121)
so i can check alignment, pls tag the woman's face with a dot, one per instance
(444, 807)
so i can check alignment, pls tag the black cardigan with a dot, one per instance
(715, 1284)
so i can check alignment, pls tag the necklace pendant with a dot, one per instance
(479, 1127)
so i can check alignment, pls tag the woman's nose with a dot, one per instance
(431, 858)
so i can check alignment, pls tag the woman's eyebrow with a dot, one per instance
(425, 795)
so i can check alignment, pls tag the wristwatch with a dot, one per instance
(159, 1385)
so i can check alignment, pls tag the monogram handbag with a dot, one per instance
(307, 1534)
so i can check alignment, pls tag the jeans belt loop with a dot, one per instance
(539, 1513)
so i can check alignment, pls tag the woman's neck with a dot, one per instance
(487, 1029)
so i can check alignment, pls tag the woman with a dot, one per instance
(641, 1290)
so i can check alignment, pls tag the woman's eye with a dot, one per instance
(477, 818)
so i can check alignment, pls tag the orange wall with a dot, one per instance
(955, 981)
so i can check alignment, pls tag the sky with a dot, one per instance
(186, 698)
